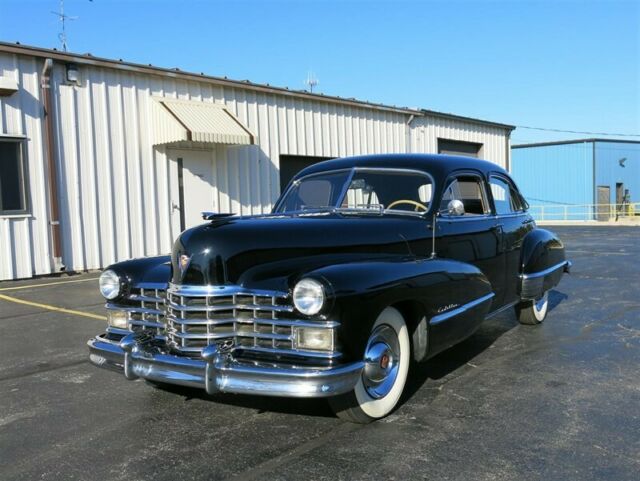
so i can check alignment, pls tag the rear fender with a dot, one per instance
(542, 263)
(427, 288)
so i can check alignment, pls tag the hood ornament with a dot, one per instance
(183, 263)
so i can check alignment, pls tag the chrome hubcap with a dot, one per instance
(381, 361)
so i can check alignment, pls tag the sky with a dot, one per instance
(568, 65)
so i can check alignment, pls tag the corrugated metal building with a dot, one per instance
(580, 174)
(138, 151)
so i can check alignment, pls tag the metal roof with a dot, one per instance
(205, 122)
(575, 141)
(438, 165)
(88, 59)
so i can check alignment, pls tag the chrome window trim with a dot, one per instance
(511, 183)
(459, 310)
(295, 182)
(485, 196)
(353, 171)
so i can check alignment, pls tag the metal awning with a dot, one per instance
(203, 122)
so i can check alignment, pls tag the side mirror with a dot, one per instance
(455, 207)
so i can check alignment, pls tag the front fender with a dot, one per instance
(151, 272)
(428, 287)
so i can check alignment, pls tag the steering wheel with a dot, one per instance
(417, 205)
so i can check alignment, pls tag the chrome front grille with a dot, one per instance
(258, 322)
(145, 309)
(197, 317)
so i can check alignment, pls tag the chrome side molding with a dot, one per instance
(459, 310)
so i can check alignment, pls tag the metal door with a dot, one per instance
(196, 188)
(604, 199)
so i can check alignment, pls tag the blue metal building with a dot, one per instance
(576, 179)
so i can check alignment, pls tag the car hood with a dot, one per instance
(239, 250)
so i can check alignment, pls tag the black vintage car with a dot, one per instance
(365, 266)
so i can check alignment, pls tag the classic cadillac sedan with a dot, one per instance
(365, 266)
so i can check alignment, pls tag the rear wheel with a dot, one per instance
(387, 358)
(533, 312)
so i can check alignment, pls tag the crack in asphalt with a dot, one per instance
(36, 370)
(261, 469)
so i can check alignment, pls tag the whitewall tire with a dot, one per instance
(533, 312)
(387, 358)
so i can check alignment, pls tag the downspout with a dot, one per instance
(54, 208)
(407, 147)
(507, 152)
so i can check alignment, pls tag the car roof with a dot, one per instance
(438, 165)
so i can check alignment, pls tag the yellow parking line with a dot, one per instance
(52, 308)
(30, 286)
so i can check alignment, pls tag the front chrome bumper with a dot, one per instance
(220, 372)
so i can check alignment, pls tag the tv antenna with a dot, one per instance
(63, 19)
(311, 81)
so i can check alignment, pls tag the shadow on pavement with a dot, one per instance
(434, 369)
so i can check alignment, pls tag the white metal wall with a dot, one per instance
(117, 189)
(24, 240)
(428, 129)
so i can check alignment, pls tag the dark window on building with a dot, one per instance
(290, 165)
(13, 192)
(505, 196)
(458, 147)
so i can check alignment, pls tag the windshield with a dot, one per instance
(361, 190)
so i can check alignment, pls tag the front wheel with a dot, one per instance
(386, 366)
(533, 312)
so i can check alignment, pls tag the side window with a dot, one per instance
(13, 188)
(505, 197)
(470, 191)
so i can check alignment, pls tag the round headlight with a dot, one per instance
(308, 296)
(109, 284)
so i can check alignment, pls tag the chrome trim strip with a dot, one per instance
(223, 291)
(134, 309)
(140, 298)
(223, 335)
(159, 286)
(545, 272)
(294, 353)
(257, 320)
(459, 310)
(229, 307)
(502, 309)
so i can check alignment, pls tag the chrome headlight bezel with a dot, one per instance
(309, 296)
(111, 284)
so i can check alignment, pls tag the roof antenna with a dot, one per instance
(63, 19)
(311, 81)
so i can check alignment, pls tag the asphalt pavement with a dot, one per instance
(555, 401)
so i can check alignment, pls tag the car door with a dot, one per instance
(474, 237)
(514, 222)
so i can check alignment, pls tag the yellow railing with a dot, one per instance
(602, 212)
